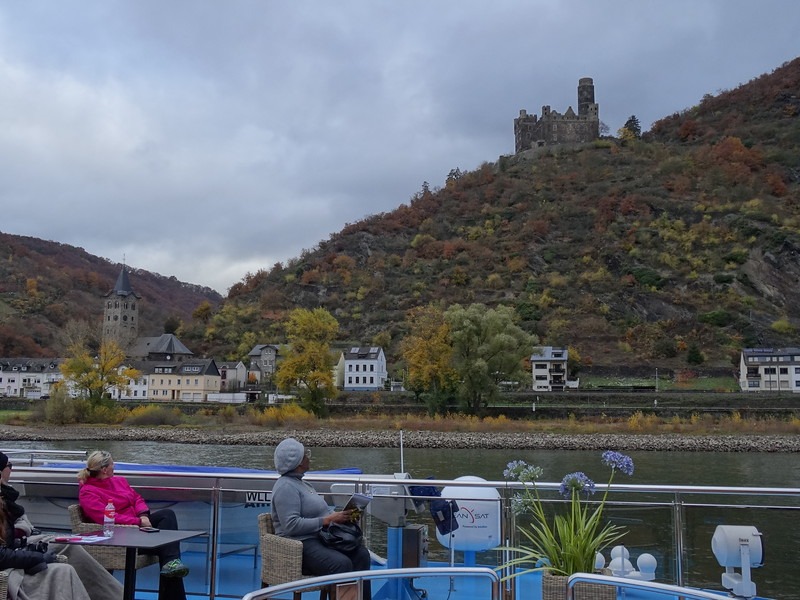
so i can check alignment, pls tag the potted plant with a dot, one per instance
(569, 541)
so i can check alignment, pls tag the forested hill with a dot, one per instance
(44, 284)
(630, 251)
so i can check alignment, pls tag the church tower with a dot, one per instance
(120, 313)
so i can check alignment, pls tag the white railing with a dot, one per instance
(395, 575)
(651, 587)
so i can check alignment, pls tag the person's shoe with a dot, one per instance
(174, 568)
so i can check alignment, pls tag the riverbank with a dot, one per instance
(412, 439)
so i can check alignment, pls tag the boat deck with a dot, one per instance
(237, 578)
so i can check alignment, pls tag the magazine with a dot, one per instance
(357, 502)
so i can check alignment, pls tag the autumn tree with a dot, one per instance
(308, 363)
(93, 377)
(78, 334)
(488, 347)
(203, 312)
(633, 125)
(427, 353)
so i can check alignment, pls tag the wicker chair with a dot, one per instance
(282, 558)
(110, 558)
(4, 577)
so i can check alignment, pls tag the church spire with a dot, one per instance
(123, 285)
(120, 313)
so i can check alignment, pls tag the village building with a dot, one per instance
(549, 369)
(769, 370)
(361, 369)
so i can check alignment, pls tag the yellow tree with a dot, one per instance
(308, 363)
(203, 312)
(427, 352)
(94, 376)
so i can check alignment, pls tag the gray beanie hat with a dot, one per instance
(288, 455)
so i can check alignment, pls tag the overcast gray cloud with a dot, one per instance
(207, 139)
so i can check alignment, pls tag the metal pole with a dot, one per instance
(212, 582)
(677, 528)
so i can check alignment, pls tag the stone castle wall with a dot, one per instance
(553, 128)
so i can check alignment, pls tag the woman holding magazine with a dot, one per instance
(300, 513)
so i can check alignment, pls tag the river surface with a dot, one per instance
(650, 529)
(675, 468)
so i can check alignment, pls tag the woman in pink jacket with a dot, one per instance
(98, 485)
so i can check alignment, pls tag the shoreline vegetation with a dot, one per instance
(390, 438)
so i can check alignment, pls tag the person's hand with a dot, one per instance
(342, 516)
(41, 565)
(145, 521)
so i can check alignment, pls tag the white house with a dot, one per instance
(769, 369)
(233, 376)
(29, 377)
(137, 388)
(361, 369)
(549, 369)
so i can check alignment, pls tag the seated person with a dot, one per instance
(98, 485)
(36, 575)
(99, 583)
(299, 512)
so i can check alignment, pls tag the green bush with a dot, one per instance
(60, 408)
(719, 318)
(648, 277)
(694, 356)
(665, 348)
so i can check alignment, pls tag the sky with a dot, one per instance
(210, 139)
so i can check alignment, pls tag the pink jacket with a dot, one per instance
(95, 493)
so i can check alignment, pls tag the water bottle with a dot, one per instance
(109, 515)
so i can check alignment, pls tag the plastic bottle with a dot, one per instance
(109, 516)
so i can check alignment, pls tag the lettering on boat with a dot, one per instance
(470, 515)
(255, 499)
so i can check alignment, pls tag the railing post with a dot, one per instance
(678, 533)
(507, 534)
(212, 581)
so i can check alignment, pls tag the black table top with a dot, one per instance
(131, 537)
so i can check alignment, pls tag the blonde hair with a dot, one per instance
(96, 461)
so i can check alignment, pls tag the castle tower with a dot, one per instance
(120, 313)
(585, 96)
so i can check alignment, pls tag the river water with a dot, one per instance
(675, 468)
(781, 528)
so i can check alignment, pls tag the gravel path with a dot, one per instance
(416, 439)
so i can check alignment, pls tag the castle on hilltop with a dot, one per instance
(553, 128)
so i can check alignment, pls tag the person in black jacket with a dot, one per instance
(37, 575)
(17, 532)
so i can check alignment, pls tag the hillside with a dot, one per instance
(45, 284)
(631, 252)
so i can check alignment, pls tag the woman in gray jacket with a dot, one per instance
(300, 513)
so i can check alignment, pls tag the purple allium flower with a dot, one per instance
(617, 460)
(576, 483)
(522, 471)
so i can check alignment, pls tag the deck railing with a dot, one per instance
(399, 576)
